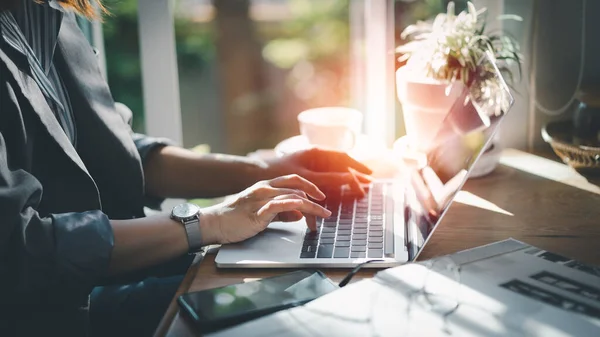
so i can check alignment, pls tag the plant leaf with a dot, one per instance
(509, 17)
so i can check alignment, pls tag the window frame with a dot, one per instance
(372, 47)
(160, 77)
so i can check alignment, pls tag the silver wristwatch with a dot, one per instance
(189, 216)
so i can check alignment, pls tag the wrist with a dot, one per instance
(210, 227)
(272, 168)
(261, 169)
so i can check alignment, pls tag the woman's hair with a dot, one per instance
(82, 7)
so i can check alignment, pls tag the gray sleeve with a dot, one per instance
(56, 258)
(146, 144)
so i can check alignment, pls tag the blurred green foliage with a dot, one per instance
(121, 43)
(318, 30)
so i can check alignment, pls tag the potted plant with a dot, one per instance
(441, 60)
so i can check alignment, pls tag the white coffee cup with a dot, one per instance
(335, 128)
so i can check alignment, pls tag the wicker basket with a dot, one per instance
(560, 136)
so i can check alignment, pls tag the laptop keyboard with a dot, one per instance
(357, 228)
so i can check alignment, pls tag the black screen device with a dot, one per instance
(218, 308)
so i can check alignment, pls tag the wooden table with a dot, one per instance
(529, 198)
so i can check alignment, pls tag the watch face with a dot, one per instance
(185, 210)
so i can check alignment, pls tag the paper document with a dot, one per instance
(504, 289)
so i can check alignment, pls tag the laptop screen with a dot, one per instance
(464, 135)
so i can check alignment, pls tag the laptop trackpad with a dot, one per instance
(278, 243)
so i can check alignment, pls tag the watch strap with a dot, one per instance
(194, 236)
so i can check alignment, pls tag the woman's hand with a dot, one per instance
(252, 210)
(327, 169)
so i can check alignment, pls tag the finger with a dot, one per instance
(363, 178)
(332, 181)
(311, 222)
(355, 165)
(329, 180)
(296, 182)
(356, 187)
(271, 209)
(423, 193)
(336, 161)
(436, 186)
(289, 216)
(272, 192)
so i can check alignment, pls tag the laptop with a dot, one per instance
(397, 217)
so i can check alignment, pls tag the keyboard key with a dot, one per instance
(377, 239)
(359, 237)
(378, 234)
(375, 245)
(375, 253)
(342, 243)
(375, 228)
(325, 251)
(327, 235)
(330, 224)
(359, 231)
(359, 249)
(359, 242)
(346, 222)
(327, 241)
(311, 248)
(310, 242)
(343, 232)
(343, 238)
(344, 227)
(360, 225)
(346, 216)
(376, 222)
(307, 255)
(358, 255)
(341, 252)
(311, 236)
(328, 230)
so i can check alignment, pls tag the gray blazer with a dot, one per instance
(55, 200)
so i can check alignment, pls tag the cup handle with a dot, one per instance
(353, 137)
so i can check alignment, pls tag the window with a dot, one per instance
(251, 66)
(235, 73)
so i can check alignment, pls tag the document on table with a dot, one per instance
(507, 288)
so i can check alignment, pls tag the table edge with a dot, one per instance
(171, 312)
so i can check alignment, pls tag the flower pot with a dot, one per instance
(425, 103)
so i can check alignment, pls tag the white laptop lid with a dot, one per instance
(465, 133)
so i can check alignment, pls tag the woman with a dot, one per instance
(74, 178)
